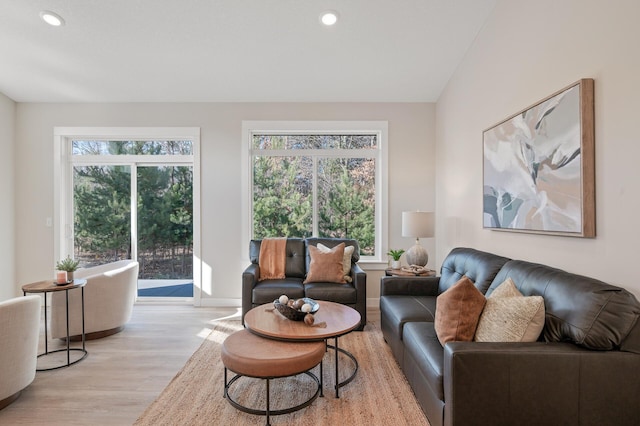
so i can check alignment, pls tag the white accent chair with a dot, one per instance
(109, 296)
(19, 334)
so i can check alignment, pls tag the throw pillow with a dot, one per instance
(506, 289)
(326, 267)
(509, 316)
(346, 259)
(457, 312)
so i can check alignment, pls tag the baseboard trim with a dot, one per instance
(373, 302)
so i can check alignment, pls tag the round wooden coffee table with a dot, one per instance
(50, 286)
(338, 319)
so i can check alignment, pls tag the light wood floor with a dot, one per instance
(123, 373)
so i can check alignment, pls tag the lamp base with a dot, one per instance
(417, 255)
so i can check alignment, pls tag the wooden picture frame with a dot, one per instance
(539, 166)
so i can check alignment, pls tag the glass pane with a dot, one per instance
(102, 214)
(165, 223)
(273, 142)
(346, 200)
(101, 147)
(282, 196)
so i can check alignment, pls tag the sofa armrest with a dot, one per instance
(249, 280)
(538, 383)
(359, 278)
(409, 286)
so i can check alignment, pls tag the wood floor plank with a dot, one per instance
(123, 373)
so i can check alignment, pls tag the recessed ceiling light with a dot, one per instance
(329, 17)
(52, 18)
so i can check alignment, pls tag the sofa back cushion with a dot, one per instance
(578, 309)
(331, 243)
(481, 267)
(295, 252)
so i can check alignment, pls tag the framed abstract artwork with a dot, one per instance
(539, 167)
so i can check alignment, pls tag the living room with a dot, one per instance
(522, 53)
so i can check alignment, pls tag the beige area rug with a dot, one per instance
(379, 394)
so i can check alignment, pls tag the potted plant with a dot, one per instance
(395, 255)
(68, 265)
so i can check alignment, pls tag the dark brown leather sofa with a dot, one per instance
(583, 370)
(255, 293)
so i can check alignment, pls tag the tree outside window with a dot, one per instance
(322, 185)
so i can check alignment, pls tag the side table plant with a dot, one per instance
(395, 255)
(69, 265)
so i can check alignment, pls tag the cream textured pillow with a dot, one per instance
(326, 267)
(506, 289)
(346, 259)
(509, 316)
(457, 312)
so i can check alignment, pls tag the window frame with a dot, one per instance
(380, 154)
(64, 162)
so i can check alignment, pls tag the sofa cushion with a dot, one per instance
(423, 347)
(579, 309)
(325, 266)
(457, 312)
(269, 290)
(481, 268)
(402, 309)
(331, 292)
(346, 259)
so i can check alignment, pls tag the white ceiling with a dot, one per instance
(234, 50)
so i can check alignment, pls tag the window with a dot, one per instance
(318, 179)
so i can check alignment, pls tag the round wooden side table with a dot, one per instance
(50, 286)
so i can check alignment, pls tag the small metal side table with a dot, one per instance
(49, 287)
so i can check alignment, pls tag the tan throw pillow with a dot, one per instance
(457, 312)
(509, 316)
(326, 267)
(506, 289)
(346, 259)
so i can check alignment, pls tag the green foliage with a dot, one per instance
(282, 197)
(68, 264)
(281, 203)
(346, 209)
(165, 217)
(395, 254)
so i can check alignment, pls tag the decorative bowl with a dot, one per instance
(294, 314)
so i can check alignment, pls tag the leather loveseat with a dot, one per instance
(255, 292)
(583, 370)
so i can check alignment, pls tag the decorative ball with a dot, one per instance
(298, 304)
(306, 308)
(309, 319)
(290, 303)
(283, 299)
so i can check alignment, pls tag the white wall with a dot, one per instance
(8, 287)
(411, 164)
(527, 51)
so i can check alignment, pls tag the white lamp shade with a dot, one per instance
(418, 224)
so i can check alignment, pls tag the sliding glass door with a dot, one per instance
(134, 199)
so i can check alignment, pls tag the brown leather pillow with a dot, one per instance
(326, 267)
(458, 310)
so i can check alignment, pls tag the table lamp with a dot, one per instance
(417, 225)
